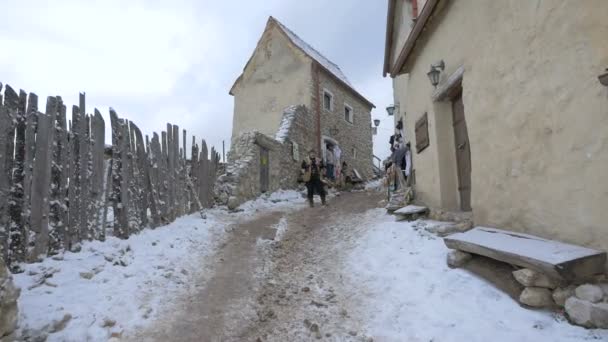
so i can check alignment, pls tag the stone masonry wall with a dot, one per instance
(356, 135)
(241, 182)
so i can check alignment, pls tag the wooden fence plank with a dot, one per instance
(6, 124)
(17, 234)
(119, 193)
(7, 136)
(203, 175)
(154, 181)
(84, 140)
(97, 175)
(39, 234)
(141, 165)
(30, 151)
(58, 237)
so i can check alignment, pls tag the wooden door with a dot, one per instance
(463, 153)
(264, 171)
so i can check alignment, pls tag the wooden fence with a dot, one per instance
(60, 185)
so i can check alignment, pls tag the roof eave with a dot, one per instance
(417, 30)
(346, 85)
(388, 43)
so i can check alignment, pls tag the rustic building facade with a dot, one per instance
(516, 129)
(285, 71)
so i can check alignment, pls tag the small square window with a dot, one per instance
(328, 100)
(348, 113)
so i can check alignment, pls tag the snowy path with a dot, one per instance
(347, 272)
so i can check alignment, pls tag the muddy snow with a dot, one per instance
(276, 271)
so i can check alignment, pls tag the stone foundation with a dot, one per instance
(241, 181)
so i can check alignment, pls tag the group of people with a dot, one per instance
(315, 171)
(398, 166)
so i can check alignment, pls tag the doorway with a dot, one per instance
(334, 172)
(463, 152)
(264, 170)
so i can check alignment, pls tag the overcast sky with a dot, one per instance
(174, 61)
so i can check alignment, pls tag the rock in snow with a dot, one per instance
(538, 297)
(8, 302)
(561, 294)
(590, 293)
(458, 258)
(530, 278)
(579, 311)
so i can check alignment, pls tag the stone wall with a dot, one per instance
(241, 181)
(535, 110)
(8, 302)
(356, 135)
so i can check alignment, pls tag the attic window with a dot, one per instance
(348, 113)
(328, 100)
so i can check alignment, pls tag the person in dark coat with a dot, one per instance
(313, 170)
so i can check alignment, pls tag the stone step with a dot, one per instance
(410, 212)
(555, 259)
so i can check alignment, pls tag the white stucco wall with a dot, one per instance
(402, 25)
(537, 116)
(277, 76)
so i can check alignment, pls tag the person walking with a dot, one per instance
(313, 177)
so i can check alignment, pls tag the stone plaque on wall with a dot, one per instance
(295, 151)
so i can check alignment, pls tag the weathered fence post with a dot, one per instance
(119, 177)
(58, 235)
(7, 131)
(41, 182)
(97, 197)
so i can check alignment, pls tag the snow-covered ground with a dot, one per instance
(409, 294)
(119, 285)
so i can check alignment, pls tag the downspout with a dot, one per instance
(317, 85)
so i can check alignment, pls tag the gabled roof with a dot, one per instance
(332, 68)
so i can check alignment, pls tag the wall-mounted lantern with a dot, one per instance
(604, 78)
(376, 122)
(435, 72)
(391, 109)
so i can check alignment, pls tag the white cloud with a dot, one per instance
(174, 61)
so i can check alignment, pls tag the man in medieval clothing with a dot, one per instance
(313, 170)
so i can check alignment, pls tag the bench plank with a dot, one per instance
(555, 259)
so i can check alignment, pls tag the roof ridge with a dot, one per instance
(284, 27)
(312, 52)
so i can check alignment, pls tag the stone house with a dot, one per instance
(516, 128)
(284, 71)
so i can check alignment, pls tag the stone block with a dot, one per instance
(458, 258)
(531, 278)
(579, 311)
(538, 297)
(590, 293)
(599, 315)
(561, 294)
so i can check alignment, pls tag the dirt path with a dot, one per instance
(264, 287)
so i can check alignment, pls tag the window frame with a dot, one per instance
(331, 100)
(352, 113)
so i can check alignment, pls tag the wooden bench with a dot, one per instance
(555, 259)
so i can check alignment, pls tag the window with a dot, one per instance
(328, 100)
(422, 133)
(354, 153)
(348, 113)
